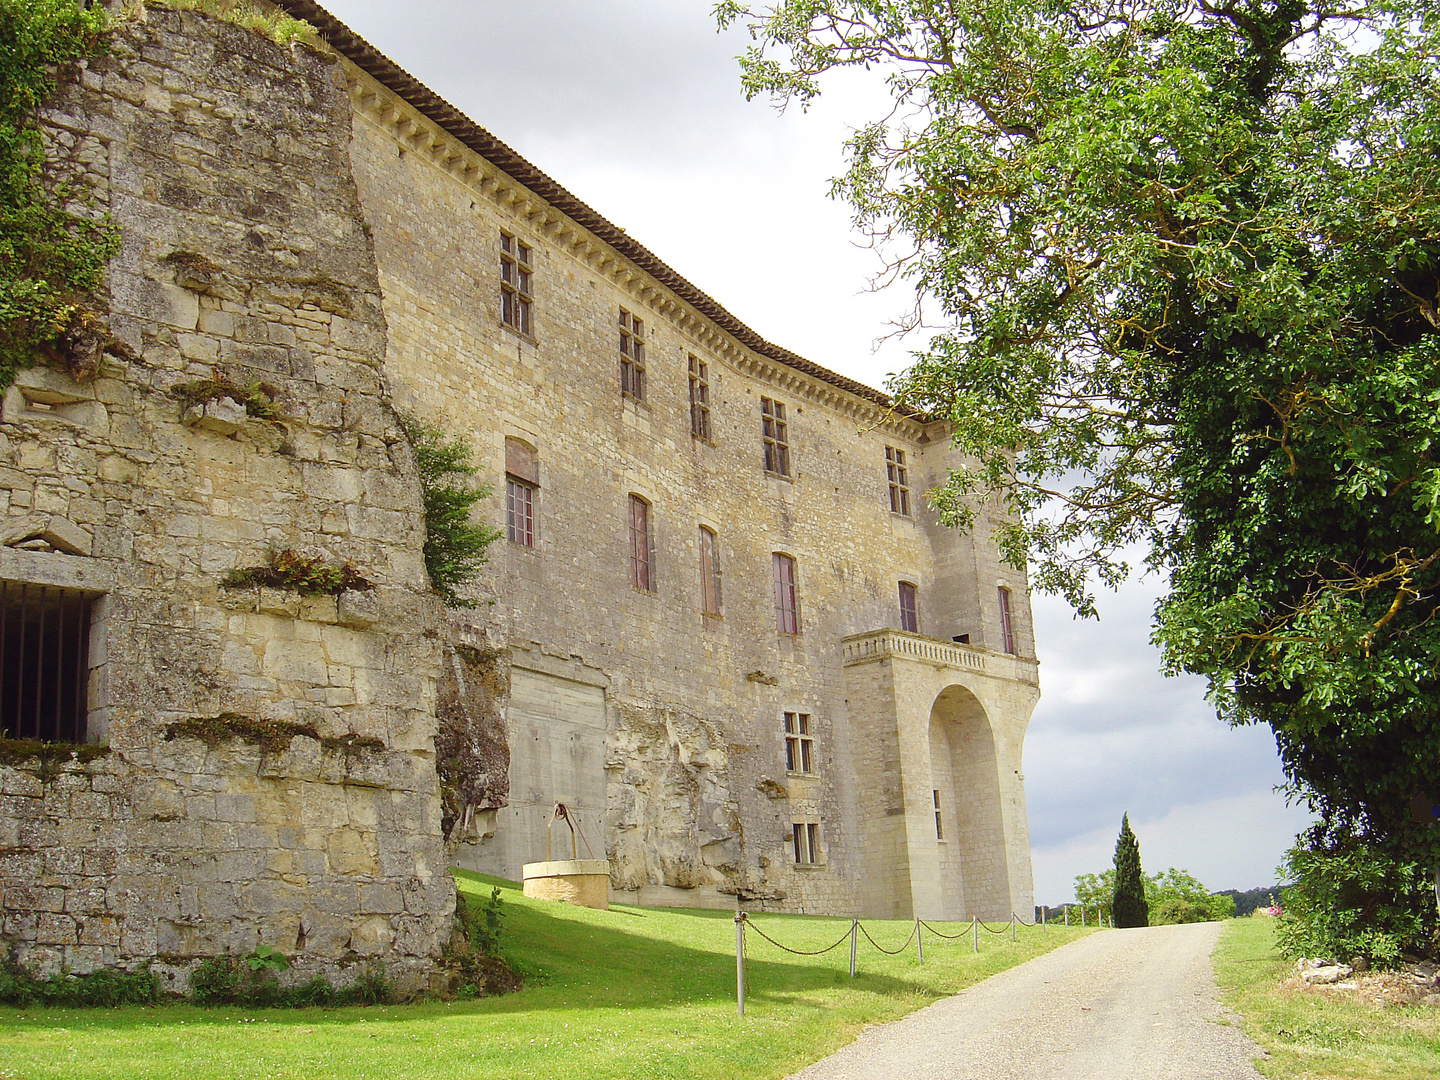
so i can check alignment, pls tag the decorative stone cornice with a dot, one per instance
(425, 124)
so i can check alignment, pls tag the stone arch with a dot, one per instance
(965, 771)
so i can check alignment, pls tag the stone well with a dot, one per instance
(575, 881)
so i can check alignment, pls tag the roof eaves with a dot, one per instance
(420, 97)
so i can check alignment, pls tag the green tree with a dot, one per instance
(1177, 896)
(1128, 905)
(1172, 896)
(1186, 254)
(455, 547)
(1352, 902)
(1168, 886)
(53, 248)
(1095, 890)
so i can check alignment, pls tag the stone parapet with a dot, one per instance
(878, 644)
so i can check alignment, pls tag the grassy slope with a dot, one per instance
(632, 993)
(1308, 1036)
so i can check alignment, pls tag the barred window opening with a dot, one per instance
(44, 662)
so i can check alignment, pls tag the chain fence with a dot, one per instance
(743, 923)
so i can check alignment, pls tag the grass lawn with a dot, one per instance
(626, 993)
(1309, 1036)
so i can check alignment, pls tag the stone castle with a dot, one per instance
(722, 626)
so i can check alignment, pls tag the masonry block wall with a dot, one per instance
(264, 762)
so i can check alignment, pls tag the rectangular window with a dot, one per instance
(519, 512)
(787, 611)
(1007, 629)
(939, 826)
(642, 545)
(806, 838)
(709, 573)
(515, 284)
(44, 662)
(776, 435)
(699, 398)
(632, 356)
(899, 479)
(909, 608)
(799, 744)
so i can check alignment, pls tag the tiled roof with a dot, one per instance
(370, 60)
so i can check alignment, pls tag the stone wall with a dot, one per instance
(270, 775)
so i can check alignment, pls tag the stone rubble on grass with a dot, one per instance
(1316, 970)
(1414, 982)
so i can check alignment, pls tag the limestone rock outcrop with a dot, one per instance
(671, 816)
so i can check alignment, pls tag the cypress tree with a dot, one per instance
(1129, 907)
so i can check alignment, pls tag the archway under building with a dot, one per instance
(965, 786)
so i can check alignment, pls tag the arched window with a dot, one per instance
(909, 608)
(1007, 628)
(787, 609)
(709, 572)
(522, 483)
(642, 545)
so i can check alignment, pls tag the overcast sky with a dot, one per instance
(635, 107)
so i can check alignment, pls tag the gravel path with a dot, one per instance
(1116, 1005)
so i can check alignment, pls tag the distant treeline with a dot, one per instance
(1247, 901)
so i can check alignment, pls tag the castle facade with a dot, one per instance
(723, 626)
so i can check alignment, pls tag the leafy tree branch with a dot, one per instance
(1188, 258)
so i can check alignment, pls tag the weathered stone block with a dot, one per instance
(381, 899)
(237, 807)
(55, 929)
(350, 852)
(371, 936)
(100, 930)
(85, 901)
(19, 782)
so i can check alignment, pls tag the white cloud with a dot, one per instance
(1228, 843)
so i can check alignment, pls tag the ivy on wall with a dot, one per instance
(455, 547)
(51, 256)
